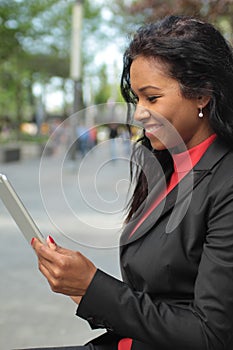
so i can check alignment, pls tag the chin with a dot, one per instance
(158, 146)
(169, 143)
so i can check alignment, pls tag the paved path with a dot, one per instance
(79, 203)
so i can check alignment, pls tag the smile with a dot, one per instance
(151, 129)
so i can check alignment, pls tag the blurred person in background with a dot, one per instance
(82, 133)
(113, 134)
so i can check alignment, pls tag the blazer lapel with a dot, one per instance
(182, 192)
(141, 211)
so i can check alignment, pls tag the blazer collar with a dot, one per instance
(183, 191)
(213, 155)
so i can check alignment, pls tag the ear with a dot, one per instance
(202, 101)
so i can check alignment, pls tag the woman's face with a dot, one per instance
(168, 118)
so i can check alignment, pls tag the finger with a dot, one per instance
(50, 255)
(51, 243)
(76, 299)
(64, 251)
(50, 278)
(50, 267)
(44, 252)
(56, 284)
(51, 263)
(36, 244)
(34, 241)
(42, 259)
(44, 270)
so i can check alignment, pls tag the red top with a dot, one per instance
(183, 164)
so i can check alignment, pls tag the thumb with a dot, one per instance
(51, 243)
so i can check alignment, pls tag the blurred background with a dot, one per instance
(63, 58)
(39, 65)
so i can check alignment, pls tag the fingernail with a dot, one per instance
(51, 240)
(32, 240)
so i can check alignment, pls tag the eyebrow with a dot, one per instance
(143, 88)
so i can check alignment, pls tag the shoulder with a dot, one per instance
(217, 164)
(218, 160)
(220, 186)
(224, 168)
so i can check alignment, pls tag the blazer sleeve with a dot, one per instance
(206, 323)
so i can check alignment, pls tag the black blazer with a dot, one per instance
(177, 268)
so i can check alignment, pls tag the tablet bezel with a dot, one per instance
(18, 211)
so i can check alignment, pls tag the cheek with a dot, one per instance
(180, 118)
(184, 116)
(167, 137)
(177, 129)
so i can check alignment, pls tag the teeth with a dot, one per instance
(153, 128)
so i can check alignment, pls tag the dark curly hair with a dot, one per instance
(200, 59)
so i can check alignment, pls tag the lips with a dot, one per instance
(152, 129)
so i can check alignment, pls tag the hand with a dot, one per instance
(68, 272)
(76, 299)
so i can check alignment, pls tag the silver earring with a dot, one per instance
(200, 115)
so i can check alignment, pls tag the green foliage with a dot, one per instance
(214, 11)
(41, 139)
(104, 91)
(35, 48)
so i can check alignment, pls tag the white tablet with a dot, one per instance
(18, 211)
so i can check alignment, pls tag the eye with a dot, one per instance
(152, 98)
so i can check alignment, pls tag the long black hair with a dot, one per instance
(201, 60)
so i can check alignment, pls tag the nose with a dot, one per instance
(141, 114)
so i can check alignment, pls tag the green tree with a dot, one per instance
(104, 91)
(36, 47)
(218, 12)
(27, 51)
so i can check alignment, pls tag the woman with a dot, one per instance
(177, 243)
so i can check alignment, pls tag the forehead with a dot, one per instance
(149, 71)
